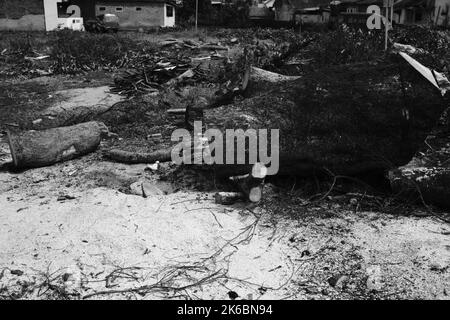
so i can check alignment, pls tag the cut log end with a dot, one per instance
(252, 184)
(255, 194)
(259, 170)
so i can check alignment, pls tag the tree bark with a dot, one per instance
(163, 155)
(345, 119)
(32, 149)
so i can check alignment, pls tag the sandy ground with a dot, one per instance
(67, 232)
(75, 231)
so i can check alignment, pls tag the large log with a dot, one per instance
(347, 119)
(31, 149)
(427, 175)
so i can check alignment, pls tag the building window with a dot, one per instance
(138, 9)
(102, 9)
(119, 9)
(169, 11)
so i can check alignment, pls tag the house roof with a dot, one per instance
(369, 2)
(346, 1)
(410, 3)
(301, 4)
(172, 2)
(397, 3)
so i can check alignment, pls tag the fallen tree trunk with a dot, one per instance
(32, 149)
(427, 175)
(258, 74)
(345, 119)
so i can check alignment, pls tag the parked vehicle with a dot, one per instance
(75, 24)
(103, 23)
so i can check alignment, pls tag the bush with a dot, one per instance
(346, 45)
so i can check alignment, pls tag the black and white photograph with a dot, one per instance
(242, 151)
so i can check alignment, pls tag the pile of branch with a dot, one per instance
(150, 76)
(346, 119)
(193, 45)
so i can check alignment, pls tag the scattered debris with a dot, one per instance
(153, 167)
(407, 48)
(16, 272)
(228, 198)
(338, 281)
(232, 295)
(437, 79)
(374, 281)
(65, 197)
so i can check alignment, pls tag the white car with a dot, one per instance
(75, 24)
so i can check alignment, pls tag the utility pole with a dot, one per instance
(196, 15)
(389, 4)
(386, 26)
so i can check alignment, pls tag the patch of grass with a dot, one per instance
(75, 51)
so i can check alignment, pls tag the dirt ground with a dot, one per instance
(81, 230)
(68, 232)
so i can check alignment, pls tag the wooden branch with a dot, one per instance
(163, 155)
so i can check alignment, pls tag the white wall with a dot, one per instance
(51, 15)
(169, 21)
(30, 22)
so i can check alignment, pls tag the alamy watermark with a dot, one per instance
(231, 147)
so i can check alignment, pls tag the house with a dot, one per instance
(261, 11)
(411, 11)
(430, 12)
(139, 13)
(25, 15)
(441, 13)
(312, 15)
(353, 12)
(288, 10)
(47, 15)
(62, 14)
(42, 15)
